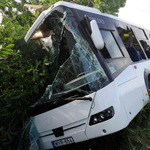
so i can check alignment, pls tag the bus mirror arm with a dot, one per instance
(87, 24)
(92, 27)
(96, 35)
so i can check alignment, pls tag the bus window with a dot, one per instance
(131, 44)
(143, 39)
(139, 33)
(112, 54)
(146, 46)
(111, 49)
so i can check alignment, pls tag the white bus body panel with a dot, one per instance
(133, 93)
(105, 98)
(72, 116)
(77, 134)
(127, 94)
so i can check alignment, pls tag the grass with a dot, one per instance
(135, 137)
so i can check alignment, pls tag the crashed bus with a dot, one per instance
(102, 67)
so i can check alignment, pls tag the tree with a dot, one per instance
(23, 74)
(105, 6)
(109, 6)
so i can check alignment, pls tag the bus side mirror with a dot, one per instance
(96, 35)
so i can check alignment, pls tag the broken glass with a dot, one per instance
(80, 70)
(29, 139)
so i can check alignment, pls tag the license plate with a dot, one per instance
(62, 142)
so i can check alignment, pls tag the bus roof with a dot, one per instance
(74, 6)
(92, 10)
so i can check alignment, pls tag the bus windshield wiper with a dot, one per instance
(46, 106)
(78, 98)
(71, 98)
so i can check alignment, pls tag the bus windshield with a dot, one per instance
(73, 61)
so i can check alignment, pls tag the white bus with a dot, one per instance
(102, 74)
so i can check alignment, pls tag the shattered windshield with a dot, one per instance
(73, 61)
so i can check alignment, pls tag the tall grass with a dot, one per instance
(137, 135)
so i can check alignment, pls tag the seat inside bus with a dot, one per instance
(131, 44)
(132, 51)
(134, 55)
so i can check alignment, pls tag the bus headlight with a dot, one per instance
(102, 116)
(95, 120)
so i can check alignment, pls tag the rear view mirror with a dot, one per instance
(96, 35)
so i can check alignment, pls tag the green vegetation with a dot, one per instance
(137, 135)
(23, 73)
(24, 76)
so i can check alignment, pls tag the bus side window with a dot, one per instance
(146, 47)
(131, 44)
(112, 54)
(111, 49)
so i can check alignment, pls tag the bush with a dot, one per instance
(23, 76)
